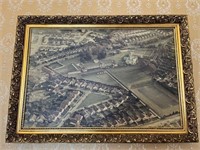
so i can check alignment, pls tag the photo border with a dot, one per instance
(190, 134)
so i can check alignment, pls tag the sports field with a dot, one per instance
(129, 75)
(162, 99)
(157, 98)
(151, 93)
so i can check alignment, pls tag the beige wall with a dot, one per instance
(9, 9)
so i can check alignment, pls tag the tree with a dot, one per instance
(88, 56)
(85, 56)
(94, 51)
(101, 54)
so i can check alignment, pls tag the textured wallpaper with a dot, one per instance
(9, 9)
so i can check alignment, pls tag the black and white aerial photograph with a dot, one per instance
(102, 78)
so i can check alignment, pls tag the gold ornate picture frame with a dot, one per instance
(102, 79)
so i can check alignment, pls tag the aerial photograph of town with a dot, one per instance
(102, 77)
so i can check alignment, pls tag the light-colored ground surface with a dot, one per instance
(102, 78)
(160, 102)
(129, 75)
(92, 99)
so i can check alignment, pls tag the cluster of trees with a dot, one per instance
(86, 56)
(101, 54)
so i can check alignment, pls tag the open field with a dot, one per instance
(159, 99)
(163, 100)
(129, 75)
(67, 66)
(92, 99)
(65, 69)
(55, 65)
(102, 78)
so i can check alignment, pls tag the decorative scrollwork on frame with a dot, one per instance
(192, 135)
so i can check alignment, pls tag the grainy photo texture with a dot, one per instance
(102, 78)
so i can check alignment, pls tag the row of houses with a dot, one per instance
(48, 55)
(139, 37)
(125, 111)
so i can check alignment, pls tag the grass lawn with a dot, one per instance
(67, 66)
(92, 99)
(55, 65)
(102, 78)
(128, 75)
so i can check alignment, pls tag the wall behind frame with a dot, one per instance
(9, 9)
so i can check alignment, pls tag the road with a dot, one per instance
(72, 109)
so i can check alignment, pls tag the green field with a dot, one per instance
(92, 99)
(55, 65)
(158, 97)
(67, 66)
(102, 78)
(129, 75)
(65, 69)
